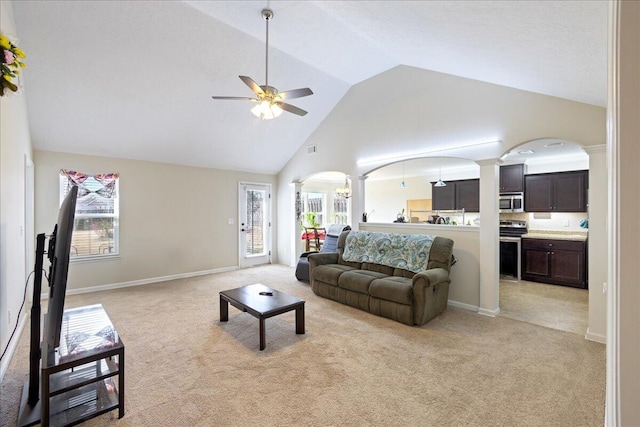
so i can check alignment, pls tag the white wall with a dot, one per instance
(173, 219)
(15, 147)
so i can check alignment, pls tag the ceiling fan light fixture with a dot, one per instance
(266, 110)
(269, 101)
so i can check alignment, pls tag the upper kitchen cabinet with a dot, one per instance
(556, 192)
(468, 195)
(512, 178)
(443, 198)
(461, 194)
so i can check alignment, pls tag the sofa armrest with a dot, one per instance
(430, 294)
(428, 277)
(306, 254)
(318, 258)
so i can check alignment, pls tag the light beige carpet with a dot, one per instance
(185, 368)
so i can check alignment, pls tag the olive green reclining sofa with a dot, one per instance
(403, 277)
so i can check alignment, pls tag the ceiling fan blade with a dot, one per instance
(295, 93)
(290, 108)
(252, 84)
(234, 98)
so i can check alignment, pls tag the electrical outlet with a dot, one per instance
(9, 316)
(565, 223)
(605, 288)
(230, 221)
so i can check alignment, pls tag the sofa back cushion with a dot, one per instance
(441, 253)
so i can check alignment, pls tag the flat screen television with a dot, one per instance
(58, 254)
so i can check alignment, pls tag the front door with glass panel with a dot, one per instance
(255, 224)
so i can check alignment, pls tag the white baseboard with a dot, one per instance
(12, 346)
(143, 281)
(462, 305)
(490, 313)
(483, 311)
(602, 339)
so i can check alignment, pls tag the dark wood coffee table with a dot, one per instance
(261, 302)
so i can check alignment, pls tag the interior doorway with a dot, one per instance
(555, 306)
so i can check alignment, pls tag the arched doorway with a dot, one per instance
(325, 199)
(534, 301)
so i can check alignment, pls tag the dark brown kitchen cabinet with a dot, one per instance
(468, 195)
(461, 194)
(512, 178)
(556, 192)
(559, 262)
(443, 198)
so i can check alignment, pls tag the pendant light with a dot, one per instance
(346, 190)
(403, 184)
(440, 182)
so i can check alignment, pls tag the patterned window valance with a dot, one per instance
(107, 181)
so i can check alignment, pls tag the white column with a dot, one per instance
(296, 196)
(598, 186)
(357, 201)
(489, 238)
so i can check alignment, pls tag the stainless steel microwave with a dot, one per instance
(511, 202)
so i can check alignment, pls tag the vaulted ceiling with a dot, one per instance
(134, 79)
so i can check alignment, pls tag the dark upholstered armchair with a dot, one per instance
(330, 245)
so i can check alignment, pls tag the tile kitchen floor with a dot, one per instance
(553, 306)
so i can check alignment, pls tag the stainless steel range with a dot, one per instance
(510, 247)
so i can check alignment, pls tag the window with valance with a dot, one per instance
(95, 231)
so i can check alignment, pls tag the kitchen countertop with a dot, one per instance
(557, 235)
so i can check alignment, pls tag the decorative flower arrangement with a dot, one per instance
(10, 64)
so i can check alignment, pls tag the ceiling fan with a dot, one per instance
(268, 100)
